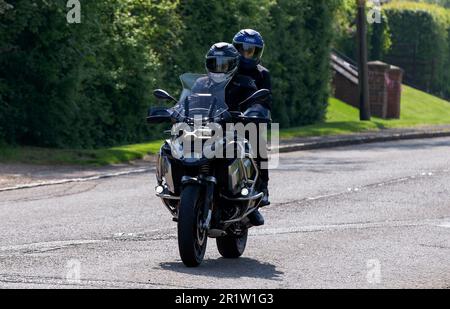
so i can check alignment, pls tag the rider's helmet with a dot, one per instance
(250, 45)
(222, 62)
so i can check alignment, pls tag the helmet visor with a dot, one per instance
(216, 64)
(249, 51)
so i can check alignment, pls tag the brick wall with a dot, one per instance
(345, 90)
(385, 86)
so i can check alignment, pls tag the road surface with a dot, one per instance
(369, 216)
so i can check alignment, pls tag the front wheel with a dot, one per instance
(232, 246)
(192, 237)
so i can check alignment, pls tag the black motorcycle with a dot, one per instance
(208, 195)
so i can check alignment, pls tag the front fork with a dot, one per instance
(209, 183)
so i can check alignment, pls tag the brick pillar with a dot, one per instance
(395, 75)
(378, 88)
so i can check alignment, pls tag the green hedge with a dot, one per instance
(421, 44)
(444, 3)
(88, 85)
(379, 40)
(81, 85)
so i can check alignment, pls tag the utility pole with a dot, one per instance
(364, 108)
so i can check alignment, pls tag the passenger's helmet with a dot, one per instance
(222, 62)
(250, 45)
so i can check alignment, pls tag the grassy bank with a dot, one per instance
(418, 109)
(35, 155)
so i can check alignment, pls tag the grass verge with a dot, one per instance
(97, 157)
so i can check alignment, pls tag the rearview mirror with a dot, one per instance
(163, 95)
(258, 95)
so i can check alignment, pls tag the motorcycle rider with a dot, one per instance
(222, 65)
(250, 45)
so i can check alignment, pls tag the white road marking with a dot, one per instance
(445, 225)
(50, 245)
(345, 226)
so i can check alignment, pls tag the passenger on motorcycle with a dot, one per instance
(250, 45)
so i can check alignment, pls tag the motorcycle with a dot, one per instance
(208, 195)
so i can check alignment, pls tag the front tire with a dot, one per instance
(192, 238)
(232, 246)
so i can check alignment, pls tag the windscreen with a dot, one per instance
(202, 97)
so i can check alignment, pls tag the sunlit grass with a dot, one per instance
(417, 109)
(105, 156)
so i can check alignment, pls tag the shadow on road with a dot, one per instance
(226, 268)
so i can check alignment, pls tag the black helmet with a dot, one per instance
(222, 62)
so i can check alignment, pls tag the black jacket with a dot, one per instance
(262, 79)
(239, 89)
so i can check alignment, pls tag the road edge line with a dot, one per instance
(73, 180)
(361, 140)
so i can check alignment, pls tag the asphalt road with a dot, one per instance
(371, 216)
